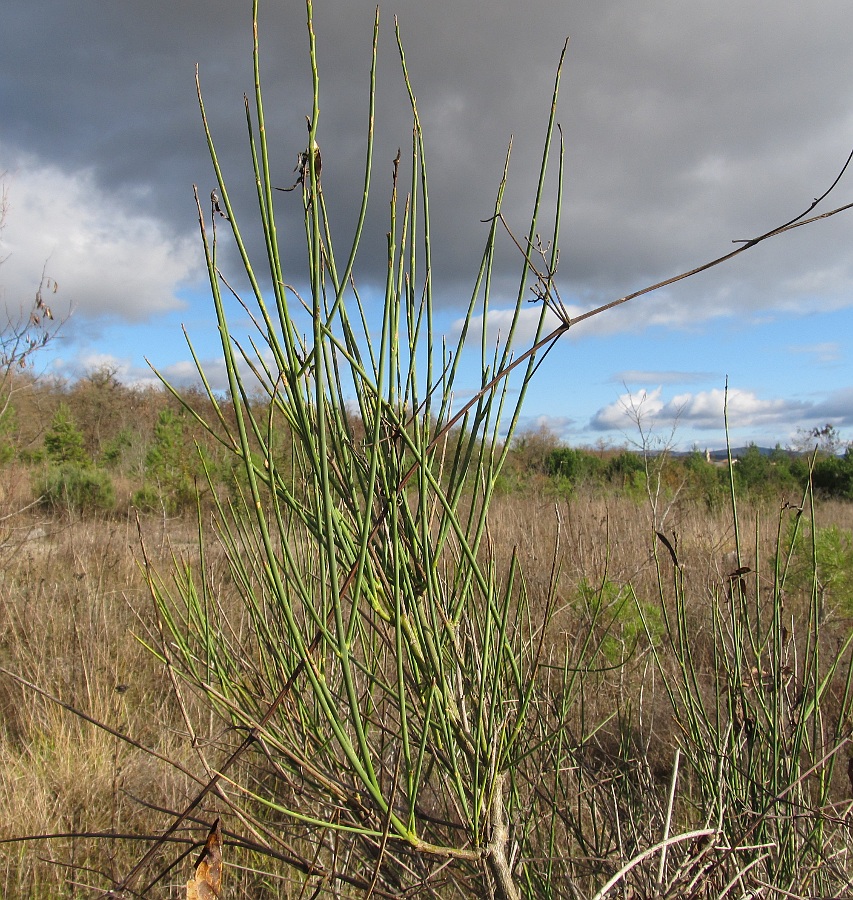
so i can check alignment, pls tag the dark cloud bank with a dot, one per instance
(687, 125)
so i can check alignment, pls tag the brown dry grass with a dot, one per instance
(73, 599)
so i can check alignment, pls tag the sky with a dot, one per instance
(686, 126)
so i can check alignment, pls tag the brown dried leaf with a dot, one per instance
(208, 870)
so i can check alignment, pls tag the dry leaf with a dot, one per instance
(208, 870)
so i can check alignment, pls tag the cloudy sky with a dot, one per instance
(687, 126)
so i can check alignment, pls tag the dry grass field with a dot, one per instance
(96, 746)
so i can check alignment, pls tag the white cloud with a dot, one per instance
(125, 371)
(744, 409)
(179, 375)
(500, 322)
(704, 410)
(623, 412)
(108, 254)
(562, 427)
(184, 374)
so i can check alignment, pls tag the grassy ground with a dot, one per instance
(73, 601)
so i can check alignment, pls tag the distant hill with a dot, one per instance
(738, 452)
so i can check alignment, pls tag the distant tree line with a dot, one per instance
(759, 474)
(98, 444)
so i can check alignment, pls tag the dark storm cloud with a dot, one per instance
(686, 125)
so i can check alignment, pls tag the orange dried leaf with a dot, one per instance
(208, 870)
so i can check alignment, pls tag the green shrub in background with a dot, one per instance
(616, 620)
(822, 560)
(71, 483)
(625, 469)
(707, 484)
(575, 466)
(766, 475)
(833, 475)
(148, 499)
(75, 488)
(531, 450)
(170, 482)
(63, 442)
(7, 431)
(115, 449)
